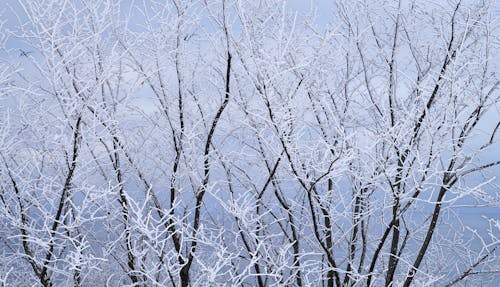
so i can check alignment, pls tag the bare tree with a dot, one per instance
(249, 143)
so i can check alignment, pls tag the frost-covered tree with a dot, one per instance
(249, 143)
